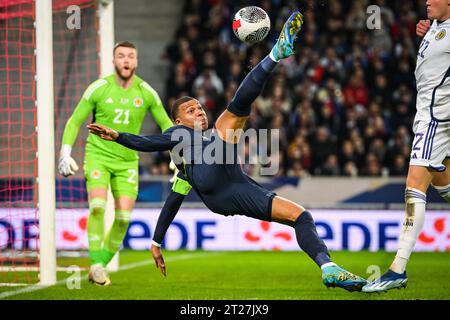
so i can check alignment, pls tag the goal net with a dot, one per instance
(75, 66)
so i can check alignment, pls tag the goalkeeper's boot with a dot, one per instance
(98, 275)
(335, 276)
(285, 43)
(389, 280)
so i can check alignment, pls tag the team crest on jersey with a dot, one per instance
(138, 102)
(95, 174)
(440, 35)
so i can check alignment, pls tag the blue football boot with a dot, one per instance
(285, 43)
(335, 276)
(389, 280)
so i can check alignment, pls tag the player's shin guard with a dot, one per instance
(415, 201)
(309, 240)
(95, 228)
(251, 87)
(444, 192)
(115, 236)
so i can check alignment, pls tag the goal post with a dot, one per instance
(106, 36)
(46, 132)
(50, 52)
(46, 141)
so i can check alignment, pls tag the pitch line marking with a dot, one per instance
(128, 266)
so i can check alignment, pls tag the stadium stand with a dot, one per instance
(344, 104)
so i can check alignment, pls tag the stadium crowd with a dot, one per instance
(343, 104)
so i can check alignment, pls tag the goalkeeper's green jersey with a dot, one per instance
(118, 108)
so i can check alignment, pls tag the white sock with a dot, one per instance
(415, 201)
(444, 192)
(272, 56)
(328, 264)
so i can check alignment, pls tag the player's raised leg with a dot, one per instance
(235, 116)
(292, 214)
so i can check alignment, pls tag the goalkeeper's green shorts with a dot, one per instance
(122, 175)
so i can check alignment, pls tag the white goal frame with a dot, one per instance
(46, 132)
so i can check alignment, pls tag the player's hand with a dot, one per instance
(67, 165)
(422, 27)
(103, 132)
(159, 260)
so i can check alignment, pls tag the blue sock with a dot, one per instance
(251, 87)
(309, 240)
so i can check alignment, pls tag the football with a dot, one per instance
(251, 24)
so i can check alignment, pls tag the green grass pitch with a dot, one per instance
(264, 275)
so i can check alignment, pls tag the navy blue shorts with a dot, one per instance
(226, 190)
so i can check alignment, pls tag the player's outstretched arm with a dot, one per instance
(422, 27)
(168, 213)
(67, 165)
(103, 131)
(161, 142)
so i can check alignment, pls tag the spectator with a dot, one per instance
(356, 91)
(343, 104)
(323, 147)
(331, 166)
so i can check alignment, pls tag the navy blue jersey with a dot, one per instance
(212, 168)
(209, 164)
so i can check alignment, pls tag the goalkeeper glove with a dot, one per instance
(67, 166)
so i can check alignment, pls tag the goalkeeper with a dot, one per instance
(120, 101)
(222, 185)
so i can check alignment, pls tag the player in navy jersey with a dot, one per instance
(223, 186)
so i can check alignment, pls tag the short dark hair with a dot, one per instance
(126, 44)
(177, 104)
